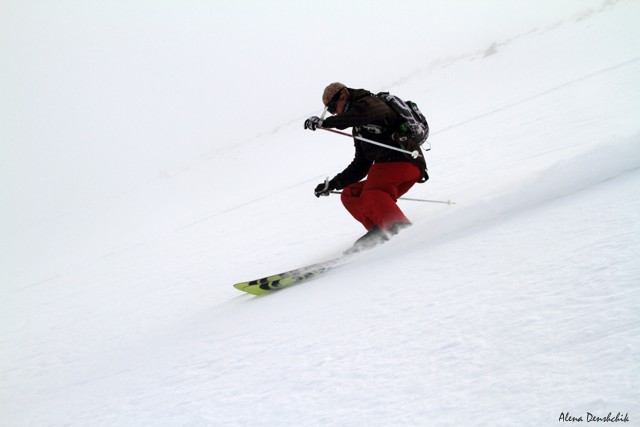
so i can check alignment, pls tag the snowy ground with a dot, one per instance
(131, 204)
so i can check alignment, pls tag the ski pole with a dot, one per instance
(324, 113)
(448, 202)
(414, 154)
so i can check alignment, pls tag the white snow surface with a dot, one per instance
(154, 155)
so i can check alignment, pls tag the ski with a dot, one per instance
(279, 281)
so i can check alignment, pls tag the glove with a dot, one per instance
(312, 123)
(325, 188)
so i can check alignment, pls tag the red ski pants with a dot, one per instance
(373, 201)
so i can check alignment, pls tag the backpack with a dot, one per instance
(413, 128)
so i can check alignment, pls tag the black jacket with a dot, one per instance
(371, 118)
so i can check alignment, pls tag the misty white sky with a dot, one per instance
(173, 78)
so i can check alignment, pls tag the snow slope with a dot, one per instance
(126, 221)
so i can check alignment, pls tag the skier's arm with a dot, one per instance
(356, 170)
(360, 113)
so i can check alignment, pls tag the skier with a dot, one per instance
(389, 174)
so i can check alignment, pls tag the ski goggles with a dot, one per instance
(333, 103)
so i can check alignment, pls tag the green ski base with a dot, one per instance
(283, 280)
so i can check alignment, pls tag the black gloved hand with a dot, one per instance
(312, 123)
(325, 188)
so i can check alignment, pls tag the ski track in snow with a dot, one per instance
(546, 92)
